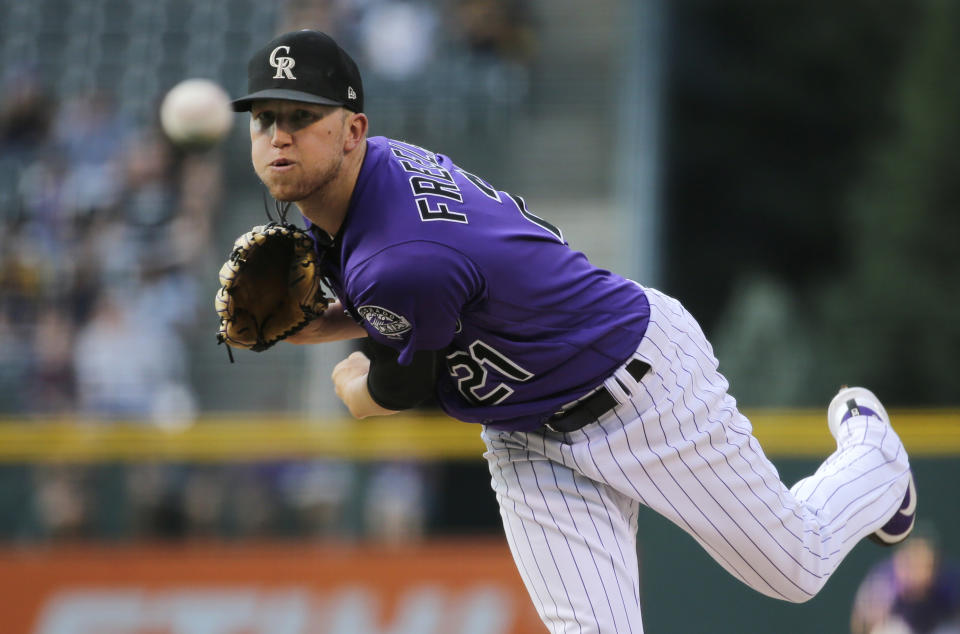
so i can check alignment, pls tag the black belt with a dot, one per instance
(594, 406)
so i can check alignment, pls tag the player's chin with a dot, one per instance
(284, 192)
(286, 198)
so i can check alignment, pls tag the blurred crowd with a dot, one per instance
(104, 230)
(432, 68)
(105, 226)
(107, 234)
(386, 502)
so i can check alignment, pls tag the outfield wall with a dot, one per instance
(435, 585)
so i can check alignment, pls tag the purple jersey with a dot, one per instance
(434, 258)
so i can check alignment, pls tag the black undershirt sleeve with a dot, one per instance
(396, 386)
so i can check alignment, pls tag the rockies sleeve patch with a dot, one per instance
(386, 322)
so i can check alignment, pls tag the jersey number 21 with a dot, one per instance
(470, 371)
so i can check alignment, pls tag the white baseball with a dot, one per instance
(196, 112)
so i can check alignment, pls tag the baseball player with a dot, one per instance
(595, 394)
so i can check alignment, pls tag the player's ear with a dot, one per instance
(356, 130)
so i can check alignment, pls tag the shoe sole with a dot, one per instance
(899, 527)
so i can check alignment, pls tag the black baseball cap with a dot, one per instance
(304, 66)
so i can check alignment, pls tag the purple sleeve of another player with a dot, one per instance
(411, 295)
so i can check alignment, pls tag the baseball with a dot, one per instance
(197, 113)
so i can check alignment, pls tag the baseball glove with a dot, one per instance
(269, 287)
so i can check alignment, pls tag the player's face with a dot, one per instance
(297, 148)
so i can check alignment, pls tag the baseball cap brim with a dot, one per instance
(245, 103)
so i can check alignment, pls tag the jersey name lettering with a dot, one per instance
(428, 178)
(433, 186)
(443, 174)
(441, 212)
(412, 158)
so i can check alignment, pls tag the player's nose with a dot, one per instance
(281, 137)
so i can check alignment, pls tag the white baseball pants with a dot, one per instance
(677, 444)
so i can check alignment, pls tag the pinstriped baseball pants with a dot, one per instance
(677, 444)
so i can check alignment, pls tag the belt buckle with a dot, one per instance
(569, 407)
(556, 416)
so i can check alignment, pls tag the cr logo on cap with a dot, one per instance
(284, 65)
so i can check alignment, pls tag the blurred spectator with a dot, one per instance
(398, 39)
(203, 496)
(129, 368)
(913, 592)
(52, 380)
(319, 492)
(63, 509)
(89, 135)
(25, 115)
(155, 507)
(500, 43)
(149, 199)
(191, 230)
(14, 359)
(395, 502)
(322, 15)
(254, 508)
(117, 367)
(497, 29)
